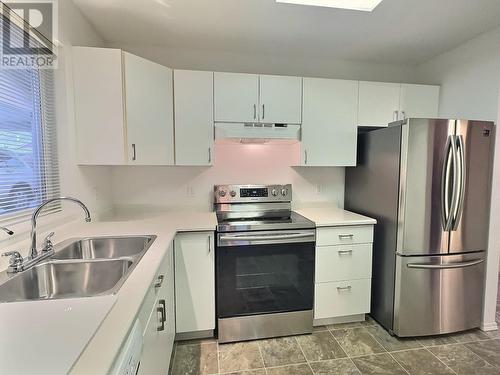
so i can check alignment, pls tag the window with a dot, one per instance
(28, 154)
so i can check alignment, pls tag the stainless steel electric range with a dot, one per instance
(265, 263)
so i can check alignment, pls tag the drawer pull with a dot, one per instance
(159, 281)
(343, 236)
(342, 288)
(345, 252)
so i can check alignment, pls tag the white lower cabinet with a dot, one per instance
(195, 282)
(343, 272)
(342, 298)
(159, 325)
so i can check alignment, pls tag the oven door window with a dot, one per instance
(263, 279)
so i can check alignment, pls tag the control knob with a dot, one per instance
(284, 192)
(222, 193)
(232, 193)
(274, 192)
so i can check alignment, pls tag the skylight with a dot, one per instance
(362, 5)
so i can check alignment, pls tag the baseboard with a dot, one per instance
(183, 336)
(493, 326)
(339, 320)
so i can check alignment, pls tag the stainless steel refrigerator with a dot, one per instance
(427, 182)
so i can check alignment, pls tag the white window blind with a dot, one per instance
(29, 169)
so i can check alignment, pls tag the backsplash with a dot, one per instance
(192, 187)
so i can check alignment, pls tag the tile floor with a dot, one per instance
(344, 349)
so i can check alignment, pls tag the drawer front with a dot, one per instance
(343, 262)
(343, 298)
(148, 304)
(345, 235)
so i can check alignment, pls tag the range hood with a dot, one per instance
(257, 132)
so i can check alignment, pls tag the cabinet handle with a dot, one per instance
(341, 288)
(255, 111)
(209, 155)
(305, 156)
(343, 236)
(159, 281)
(162, 310)
(403, 114)
(395, 116)
(209, 245)
(263, 111)
(134, 155)
(342, 252)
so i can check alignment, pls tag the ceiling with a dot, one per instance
(397, 31)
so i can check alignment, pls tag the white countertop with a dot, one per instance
(334, 216)
(87, 333)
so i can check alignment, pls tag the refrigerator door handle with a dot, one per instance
(445, 266)
(454, 194)
(461, 183)
(449, 176)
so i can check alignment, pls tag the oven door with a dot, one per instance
(265, 272)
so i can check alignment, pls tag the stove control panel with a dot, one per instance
(252, 193)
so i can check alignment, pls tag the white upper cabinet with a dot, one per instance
(149, 111)
(419, 101)
(280, 99)
(253, 98)
(99, 110)
(194, 124)
(123, 108)
(236, 97)
(329, 126)
(378, 103)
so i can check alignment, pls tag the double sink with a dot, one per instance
(81, 267)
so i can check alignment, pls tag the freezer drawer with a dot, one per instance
(438, 294)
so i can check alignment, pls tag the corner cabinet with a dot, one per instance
(343, 273)
(256, 98)
(123, 108)
(329, 128)
(381, 103)
(194, 117)
(195, 282)
(158, 319)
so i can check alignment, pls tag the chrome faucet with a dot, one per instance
(33, 251)
(7, 230)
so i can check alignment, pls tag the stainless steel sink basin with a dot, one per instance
(81, 267)
(53, 280)
(103, 247)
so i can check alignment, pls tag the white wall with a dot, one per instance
(91, 184)
(305, 66)
(192, 187)
(469, 76)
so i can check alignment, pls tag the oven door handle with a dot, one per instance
(266, 237)
(248, 239)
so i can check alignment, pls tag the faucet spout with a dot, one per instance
(34, 217)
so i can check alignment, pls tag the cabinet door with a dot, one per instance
(194, 282)
(194, 118)
(419, 101)
(149, 111)
(100, 126)
(378, 103)
(236, 97)
(159, 333)
(329, 129)
(280, 99)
